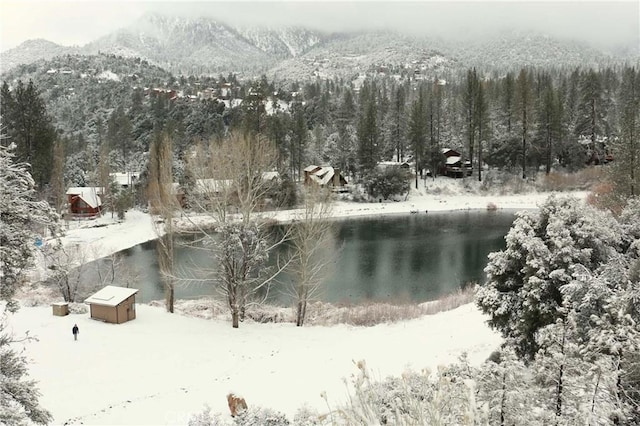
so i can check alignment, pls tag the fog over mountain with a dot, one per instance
(605, 24)
(301, 40)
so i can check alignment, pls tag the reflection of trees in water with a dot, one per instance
(401, 258)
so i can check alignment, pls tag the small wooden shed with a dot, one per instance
(113, 304)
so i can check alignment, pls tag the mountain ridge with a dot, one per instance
(188, 46)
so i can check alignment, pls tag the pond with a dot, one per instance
(402, 258)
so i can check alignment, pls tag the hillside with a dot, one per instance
(196, 46)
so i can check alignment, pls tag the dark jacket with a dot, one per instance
(75, 330)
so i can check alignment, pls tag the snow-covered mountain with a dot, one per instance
(515, 49)
(202, 45)
(31, 51)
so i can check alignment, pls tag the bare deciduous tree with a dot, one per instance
(311, 241)
(163, 203)
(74, 275)
(229, 187)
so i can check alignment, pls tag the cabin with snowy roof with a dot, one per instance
(113, 304)
(324, 176)
(454, 166)
(84, 201)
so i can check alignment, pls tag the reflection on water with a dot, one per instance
(417, 257)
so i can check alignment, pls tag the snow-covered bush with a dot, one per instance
(205, 418)
(254, 416)
(258, 416)
(445, 397)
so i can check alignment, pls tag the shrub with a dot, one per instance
(391, 181)
(443, 398)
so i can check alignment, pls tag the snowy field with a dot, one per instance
(161, 368)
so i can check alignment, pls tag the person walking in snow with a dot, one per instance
(75, 330)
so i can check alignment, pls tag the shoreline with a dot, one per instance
(105, 236)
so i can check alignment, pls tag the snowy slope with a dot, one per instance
(161, 368)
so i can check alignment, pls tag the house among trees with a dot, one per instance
(125, 180)
(113, 304)
(454, 166)
(384, 165)
(324, 176)
(84, 201)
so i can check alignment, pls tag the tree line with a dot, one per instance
(522, 121)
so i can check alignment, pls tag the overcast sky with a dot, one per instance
(76, 23)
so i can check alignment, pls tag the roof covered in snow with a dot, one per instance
(323, 175)
(111, 295)
(89, 194)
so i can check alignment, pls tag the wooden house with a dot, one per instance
(325, 176)
(454, 166)
(84, 201)
(384, 165)
(113, 304)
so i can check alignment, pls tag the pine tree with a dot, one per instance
(345, 144)
(524, 99)
(29, 127)
(524, 281)
(58, 187)
(625, 169)
(24, 219)
(548, 123)
(590, 116)
(469, 101)
(398, 122)
(418, 131)
(368, 132)
(18, 396)
(298, 141)
(481, 121)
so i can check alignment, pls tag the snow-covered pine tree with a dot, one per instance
(18, 396)
(522, 293)
(23, 220)
(560, 373)
(505, 394)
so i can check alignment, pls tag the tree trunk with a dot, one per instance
(559, 387)
(503, 401)
(235, 318)
(301, 312)
(524, 148)
(170, 296)
(595, 392)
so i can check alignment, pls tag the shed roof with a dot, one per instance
(111, 295)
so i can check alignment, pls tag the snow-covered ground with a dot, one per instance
(162, 368)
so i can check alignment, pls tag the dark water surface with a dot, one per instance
(404, 258)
